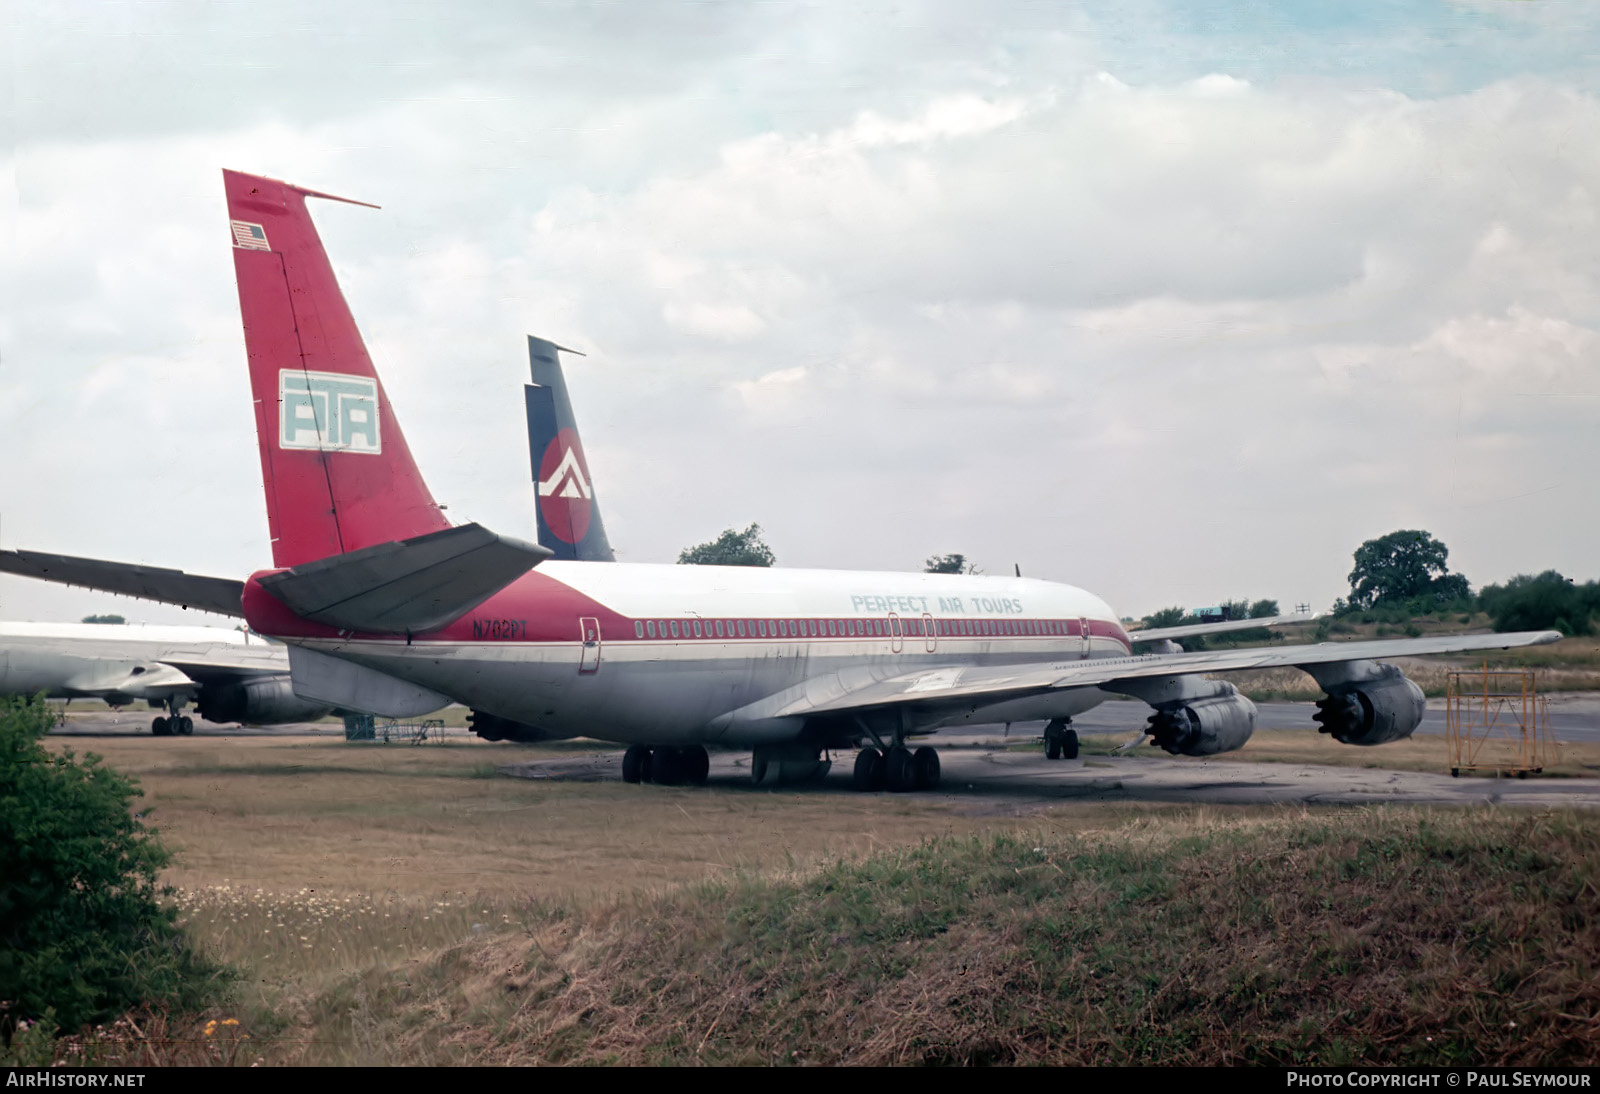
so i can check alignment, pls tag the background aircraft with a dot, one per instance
(387, 607)
(227, 675)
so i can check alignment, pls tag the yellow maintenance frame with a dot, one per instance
(1496, 721)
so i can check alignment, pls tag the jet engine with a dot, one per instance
(266, 700)
(1367, 703)
(1194, 717)
(492, 727)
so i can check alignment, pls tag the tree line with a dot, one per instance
(1406, 574)
(1393, 579)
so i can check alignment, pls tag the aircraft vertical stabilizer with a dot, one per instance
(569, 513)
(337, 472)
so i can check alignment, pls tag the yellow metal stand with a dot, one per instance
(1496, 721)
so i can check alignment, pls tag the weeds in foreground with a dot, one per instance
(1373, 936)
(1365, 936)
(139, 1039)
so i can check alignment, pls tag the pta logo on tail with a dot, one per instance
(328, 412)
(565, 497)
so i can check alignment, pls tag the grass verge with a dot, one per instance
(1381, 936)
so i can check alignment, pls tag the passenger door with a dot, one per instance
(589, 659)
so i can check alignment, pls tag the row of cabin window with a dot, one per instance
(911, 627)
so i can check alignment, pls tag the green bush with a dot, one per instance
(1548, 601)
(83, 932)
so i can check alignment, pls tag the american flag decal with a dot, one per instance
(252, 237)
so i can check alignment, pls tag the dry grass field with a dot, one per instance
(406, 905)
(286, 812)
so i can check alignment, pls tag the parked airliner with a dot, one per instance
(387, 607)
(228, 675)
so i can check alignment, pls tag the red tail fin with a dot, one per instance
(337, 472)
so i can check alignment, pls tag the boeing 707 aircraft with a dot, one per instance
(387, 607)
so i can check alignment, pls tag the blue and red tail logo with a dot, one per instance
(566, 500)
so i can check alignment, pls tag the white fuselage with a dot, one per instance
(671, 654)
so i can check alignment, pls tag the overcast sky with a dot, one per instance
(1173, 301)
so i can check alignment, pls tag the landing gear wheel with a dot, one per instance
(696, 765)
(870, 769)
(1060, 741)
(758, 767)
(667, 767)
(186, 726)
(636, 764)
(898, 770)
(925, 768)
(158, 727)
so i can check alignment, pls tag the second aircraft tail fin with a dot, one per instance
(569, 513)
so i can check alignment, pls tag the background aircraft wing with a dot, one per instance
(206, 594)
(208, 664)
(962, 685)
(1190, 630)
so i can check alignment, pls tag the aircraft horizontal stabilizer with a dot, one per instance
(411, 586)
(206, 594)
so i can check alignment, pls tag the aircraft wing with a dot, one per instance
(1190, 630)
(212, 663)
(206, 594)
(957, 685)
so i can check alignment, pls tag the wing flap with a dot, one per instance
(1191, 630)
(410, 586)
(206, 594)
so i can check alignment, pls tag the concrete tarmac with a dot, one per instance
(980, 773)
(996, 780)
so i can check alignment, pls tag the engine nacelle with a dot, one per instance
(492, 727)
(1367, 703)
(1204, 727)
(265, 700)
(1194, 716)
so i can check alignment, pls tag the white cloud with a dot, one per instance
(1172, 339)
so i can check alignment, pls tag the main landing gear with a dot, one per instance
(666, 766)
(897, 768)
(177, 724)
(1060, 740)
